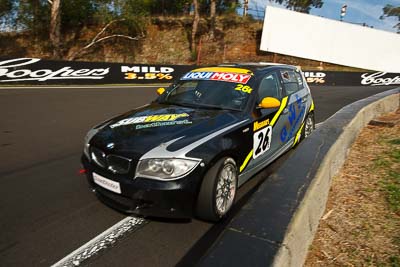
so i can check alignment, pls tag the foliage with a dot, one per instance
(76, 14)
(389, 162)
(164, 7)
(131, 13)
(114, 18)
(33, 15)
(5, 7)
(5, 13)
(303, 6)
(392, 11)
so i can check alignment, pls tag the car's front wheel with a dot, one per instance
(218, 190)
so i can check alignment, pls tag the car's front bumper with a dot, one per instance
(148, 197)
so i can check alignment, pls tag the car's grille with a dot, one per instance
(118, 164)
(113, 163)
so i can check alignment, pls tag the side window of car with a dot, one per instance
(291, 81)
(300, 80)
(270, 87)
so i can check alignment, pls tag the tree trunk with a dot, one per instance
(213, 12)
(195, 25)
(55, 28)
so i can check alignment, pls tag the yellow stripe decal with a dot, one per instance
(278, 113)
(297, 139)
(312, 106)
(246, 160)
(283, 105)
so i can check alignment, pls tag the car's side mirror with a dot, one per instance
(160, 91)
(269, 102)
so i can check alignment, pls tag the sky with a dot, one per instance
(358, 11)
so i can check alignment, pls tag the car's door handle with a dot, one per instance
(304, 100)
(285, 111)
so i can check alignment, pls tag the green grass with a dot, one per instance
(381, 163)
(391, 180)
(394, 141)
(393, 196)
(396, 240)
(394, 261)
(395, 155)
(394, 175)
(387, 164)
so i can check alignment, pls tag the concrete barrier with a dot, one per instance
(278, 224)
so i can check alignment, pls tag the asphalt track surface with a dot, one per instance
(46, 208)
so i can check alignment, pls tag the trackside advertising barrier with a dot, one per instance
(33, 71)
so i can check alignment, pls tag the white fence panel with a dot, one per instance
(306, 36)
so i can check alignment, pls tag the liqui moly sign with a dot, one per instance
(218, 76)
(17, 70)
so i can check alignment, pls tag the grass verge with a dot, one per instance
(361, 226)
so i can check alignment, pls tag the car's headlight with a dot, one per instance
(165, 169)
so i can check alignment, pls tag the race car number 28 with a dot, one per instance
(262, 141)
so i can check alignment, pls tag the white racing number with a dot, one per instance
(262, 141)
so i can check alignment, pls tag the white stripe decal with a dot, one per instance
(102, 241)
(162, 152)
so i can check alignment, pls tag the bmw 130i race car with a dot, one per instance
(186, 153)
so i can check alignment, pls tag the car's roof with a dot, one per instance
(245, 68)
(257, 66)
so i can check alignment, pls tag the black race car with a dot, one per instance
(186, 153)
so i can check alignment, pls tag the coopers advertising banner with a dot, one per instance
(37, 71)
(352, 78)
(33, 71)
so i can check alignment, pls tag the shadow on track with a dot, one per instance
(200, 248)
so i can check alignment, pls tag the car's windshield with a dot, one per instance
(208, 94)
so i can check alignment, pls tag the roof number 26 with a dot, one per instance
(243, 88)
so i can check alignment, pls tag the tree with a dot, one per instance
(195, 26)
(102, 36)
(5, 7)
(229, 6)
(303, 6)
(164, 7)
(55, 19)
(122, 19)
(33, 17)
(213, 14)
(392, 11)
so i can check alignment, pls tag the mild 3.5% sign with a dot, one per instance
(148, 76)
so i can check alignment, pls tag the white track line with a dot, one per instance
(102, 241)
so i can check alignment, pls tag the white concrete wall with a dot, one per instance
(301, 35)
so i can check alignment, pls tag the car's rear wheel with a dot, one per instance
(218, 190)
(309, 126)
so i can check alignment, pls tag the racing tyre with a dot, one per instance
(218, 190)
(309, 126)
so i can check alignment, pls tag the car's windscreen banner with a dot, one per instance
(33, 71)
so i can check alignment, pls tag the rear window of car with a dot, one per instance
(292, 81)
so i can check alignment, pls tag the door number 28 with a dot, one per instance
(262, 141)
